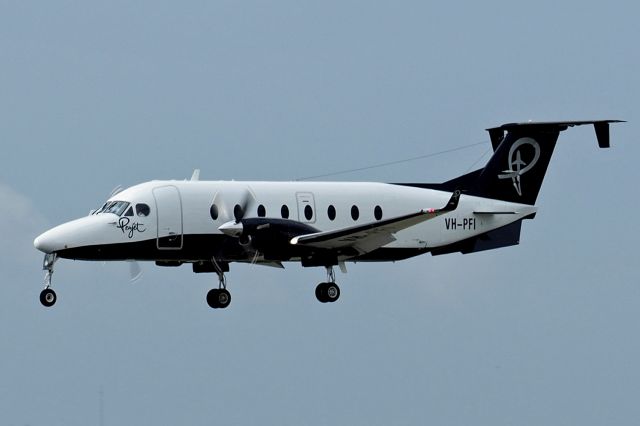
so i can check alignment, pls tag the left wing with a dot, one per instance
(370, 236)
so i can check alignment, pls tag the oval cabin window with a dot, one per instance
(331, 212)
(355, 213)
(377, 212)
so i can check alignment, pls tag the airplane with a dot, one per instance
(211, 224)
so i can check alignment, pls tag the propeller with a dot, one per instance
(135, 271)
(115, 190)
(233, 226)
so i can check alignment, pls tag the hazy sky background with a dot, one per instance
(99, 94)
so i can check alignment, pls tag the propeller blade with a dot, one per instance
(233, 212)
(115, 190)
(224, 214)
(240, 210)
(135, 271)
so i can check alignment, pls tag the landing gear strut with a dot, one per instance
(328, 292)
(48, 296)
(219, 297)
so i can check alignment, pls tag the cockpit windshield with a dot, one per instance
(115, 207)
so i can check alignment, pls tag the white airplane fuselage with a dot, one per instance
(182, 210)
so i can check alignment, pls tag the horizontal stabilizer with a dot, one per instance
(506, 236)
(495, 212)
(601, 127)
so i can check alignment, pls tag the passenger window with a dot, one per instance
(129, 212)
(308, 212)
(142, 210)
(238, 212)
(284, 211)
(213, 211)
(377, 212)
(355, 213)
(331, 212)
(262, 212)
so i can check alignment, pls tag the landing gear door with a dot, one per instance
(169, 214)
(306, 207)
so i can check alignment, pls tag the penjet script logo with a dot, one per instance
(517, 166)
(125, 225)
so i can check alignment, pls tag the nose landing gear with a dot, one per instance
(48, 297)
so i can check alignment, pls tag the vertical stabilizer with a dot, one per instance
(522, 152)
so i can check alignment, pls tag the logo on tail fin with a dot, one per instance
(517, 166)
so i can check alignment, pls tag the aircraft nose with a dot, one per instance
(45, 242)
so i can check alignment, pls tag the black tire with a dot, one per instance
(212, 298)
(48, 297)
(332, 292)
(321, 293)
(224, 298)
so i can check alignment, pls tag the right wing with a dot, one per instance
(370, 236)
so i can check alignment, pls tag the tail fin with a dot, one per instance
(521, 156)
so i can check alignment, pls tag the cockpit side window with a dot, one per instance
(129, 212)
(100, 209)
(142, 210)
(104, 207)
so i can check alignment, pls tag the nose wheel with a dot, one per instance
(48, 297)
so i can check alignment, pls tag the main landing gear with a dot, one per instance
(48, 296)
(329, 291)
(219, 297)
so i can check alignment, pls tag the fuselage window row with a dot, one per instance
(284, 212)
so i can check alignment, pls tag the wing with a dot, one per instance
(370, 236)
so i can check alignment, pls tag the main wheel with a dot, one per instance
(48, 297)
(332, 292)
(212, 298)
(321, 292)
(218, 298)
(224, 298)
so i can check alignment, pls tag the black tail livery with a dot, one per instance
(521, 155)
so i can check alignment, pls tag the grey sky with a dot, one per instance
(94, 95)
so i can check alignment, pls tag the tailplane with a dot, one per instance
(522, 152)
(521, 155)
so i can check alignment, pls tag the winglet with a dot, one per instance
(602, 133)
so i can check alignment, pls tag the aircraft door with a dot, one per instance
(169, 214)
(306, 207)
